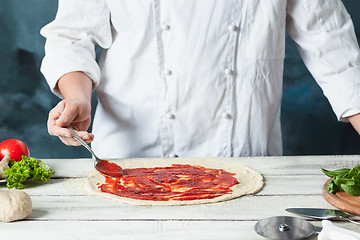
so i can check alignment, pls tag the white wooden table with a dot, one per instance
(62, 209)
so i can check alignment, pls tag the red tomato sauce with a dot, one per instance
(109, 168)
(178, 183)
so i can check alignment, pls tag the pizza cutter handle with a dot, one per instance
(317, 229)
(330, 231)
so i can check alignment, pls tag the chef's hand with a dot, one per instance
(74, 110)
(74, 113)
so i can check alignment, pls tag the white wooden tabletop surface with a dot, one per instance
(62, 209)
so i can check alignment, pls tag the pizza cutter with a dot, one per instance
(284, 227)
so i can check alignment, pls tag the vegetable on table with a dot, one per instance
(28, 169)
(344, 179)
(14, 149)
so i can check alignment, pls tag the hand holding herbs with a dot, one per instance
(344, 179)
(28, 169)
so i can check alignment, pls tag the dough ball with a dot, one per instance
(3, 163)
(14, 205)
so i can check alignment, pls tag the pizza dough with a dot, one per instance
(3, 164)
(250, 181)
(14, 205)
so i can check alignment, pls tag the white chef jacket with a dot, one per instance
(199, 78)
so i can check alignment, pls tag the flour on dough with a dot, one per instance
(14, 205)
(250, 181)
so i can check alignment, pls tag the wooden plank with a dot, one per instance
(137, 230)
(95, 208)
(294, 165)
(130, 230)
(293, 184)
(66, 187)
(71, 167)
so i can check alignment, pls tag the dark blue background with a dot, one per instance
(308, 123)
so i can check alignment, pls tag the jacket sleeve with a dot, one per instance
(324, 34)
(72, 37)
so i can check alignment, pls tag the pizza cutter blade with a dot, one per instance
(284, 227)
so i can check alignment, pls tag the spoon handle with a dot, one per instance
(77, 138)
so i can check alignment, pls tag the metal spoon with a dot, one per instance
(105, 167)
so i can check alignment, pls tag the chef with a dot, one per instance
(195, 78)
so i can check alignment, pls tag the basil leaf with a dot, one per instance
(332, 187)
(355, 173)
(335, 173)
(353, 189)
(339, 180)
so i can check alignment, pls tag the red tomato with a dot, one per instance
(14, 149)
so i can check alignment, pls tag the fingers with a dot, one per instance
(70, 113)
(53, 128)
(85, 136)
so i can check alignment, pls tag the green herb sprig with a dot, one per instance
(344, 179)
(28, 169)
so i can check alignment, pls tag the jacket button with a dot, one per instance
(232, 28)
(168, 72)
(165, 27)
(226, 115)
(228, 71)
(170, 116)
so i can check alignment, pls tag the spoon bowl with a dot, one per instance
(105, 167)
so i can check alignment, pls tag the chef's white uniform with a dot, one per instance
(196, 78)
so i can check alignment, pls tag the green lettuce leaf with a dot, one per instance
(27, 169)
